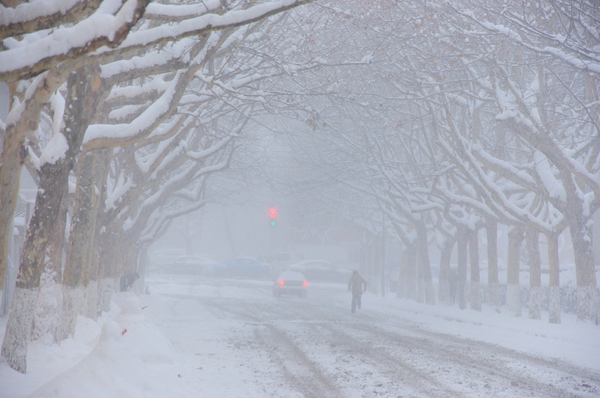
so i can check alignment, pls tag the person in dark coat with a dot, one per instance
(127, 281)
(357, 285)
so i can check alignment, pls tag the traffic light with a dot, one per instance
(273, 215)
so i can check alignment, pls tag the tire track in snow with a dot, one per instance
(388, 364)
(291, 357)
(296, 367)
(490, 367)
(517, 370)
(302, 373)
(427, 362)
(500, 368)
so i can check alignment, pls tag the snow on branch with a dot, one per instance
(120, 134)
(39, 15)
(177, 12)
(573, 49)
(108, 26)
(107, 33)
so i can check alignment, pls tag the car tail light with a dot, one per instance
(281, 283)
(305, 283)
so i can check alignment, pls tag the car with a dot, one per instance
(290, 282)
(321, 271)
(281, 260)
(158, 267)
(190, 265)
(245, 267)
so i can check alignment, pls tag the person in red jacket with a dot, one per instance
(357, 285)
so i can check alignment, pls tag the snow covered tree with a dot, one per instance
(487, 76)
(551, 63)
(86, 35)
(57, 162)
(83, 33)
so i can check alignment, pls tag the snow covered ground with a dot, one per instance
(198, 337)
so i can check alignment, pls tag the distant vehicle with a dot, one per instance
(158, 267)
(159, 260)
(321, 271)
(290, 282)
(190, 265)
(245, 267)
(281, 260)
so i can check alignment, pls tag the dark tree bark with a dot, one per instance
(535, 274)
(444, 277)
(13, 155)
(107, 268)
(492, 256)
(425, 279)
(554, 288)
(77, 12)
(52, 191)
(461, 285)
(117, 255)
(78, 290)
(408, 273)
(513, 287)
(580, 228)
(475, 285)
(47, 311)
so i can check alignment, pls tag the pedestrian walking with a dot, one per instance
(357, 285)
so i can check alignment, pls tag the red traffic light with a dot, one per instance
(273, 213)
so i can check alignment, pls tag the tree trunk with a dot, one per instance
(52, 191)
(492, 256)
(106, 263)
(104, 285)
(535, 275)
(513, 287)
(475, 285)
(444, 277)
(91, 300)
(79, 286)
(13, 155)
(581, 225)
(49, 301)
(93, 297)
(554, 288)
(14, 259)
(109, 283)
(96, 189)
(130, 258)
(411, 272)
(403, 277)
(117, 256)
(425, 263)
(368, 264)
(139, 285)
(461, 284)
(11, 165)
(581, 236)
(375, 275)
(95, 309)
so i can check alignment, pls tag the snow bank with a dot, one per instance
(112, 369)
(126, 354)
(142, 336)
(108, 358)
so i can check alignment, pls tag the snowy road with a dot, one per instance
(233, 339)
